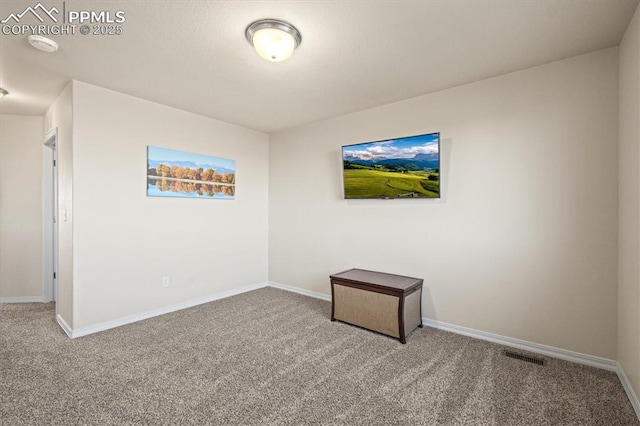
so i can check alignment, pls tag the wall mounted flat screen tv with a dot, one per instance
(406, 167)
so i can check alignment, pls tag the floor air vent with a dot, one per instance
(522, 357)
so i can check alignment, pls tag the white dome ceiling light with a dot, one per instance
(43, 43)
(273, 39)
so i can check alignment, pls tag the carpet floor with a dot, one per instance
(270, 357)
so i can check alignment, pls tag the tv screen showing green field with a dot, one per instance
(407, 167)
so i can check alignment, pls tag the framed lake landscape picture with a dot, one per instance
(172, 173)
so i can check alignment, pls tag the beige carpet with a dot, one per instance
(270, 357)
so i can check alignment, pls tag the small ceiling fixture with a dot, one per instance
(43, 43)
(3, 93)
(273, 39)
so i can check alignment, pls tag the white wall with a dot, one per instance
(522, 244)
(125, 242)
(20, 206)
(629, 205)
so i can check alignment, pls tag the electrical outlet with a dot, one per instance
(165, 281)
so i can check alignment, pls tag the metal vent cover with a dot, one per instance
(522, 357)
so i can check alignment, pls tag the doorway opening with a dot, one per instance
(50, 218)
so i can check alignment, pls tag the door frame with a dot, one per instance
(50, 217)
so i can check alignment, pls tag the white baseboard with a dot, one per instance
(63, 324)
(551, 351)
(302, 291)
(633, 398)
(27, 299)
(577, 357)
(84, 331)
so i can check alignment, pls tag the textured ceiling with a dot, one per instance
(354, 55)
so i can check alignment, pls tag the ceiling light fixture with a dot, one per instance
(3, 93)
(273, 39)
(43, 43)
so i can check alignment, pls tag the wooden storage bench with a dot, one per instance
(387, 303)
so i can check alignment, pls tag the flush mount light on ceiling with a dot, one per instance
(273, 39)
(3, 93)
(43, 43)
